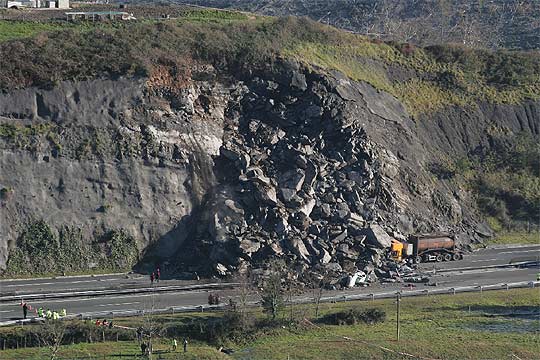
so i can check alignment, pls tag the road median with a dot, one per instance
(95, 293)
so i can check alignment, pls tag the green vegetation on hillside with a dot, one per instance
(506, 179)
(40, 251)
(509, 180)
(27, 137)
(425, 80)
(504, 237)
(438, 76)
(10, 30)
(460, 326)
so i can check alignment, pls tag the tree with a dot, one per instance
(151, 328)
(245, 291)
(50, 334)
(272, 294)
(317, 284)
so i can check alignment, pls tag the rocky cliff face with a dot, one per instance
(101, 156)
(219, 171)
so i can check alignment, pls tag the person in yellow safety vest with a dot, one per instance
(40, 312)
(63, 312)
(55, 315)
(48, 314)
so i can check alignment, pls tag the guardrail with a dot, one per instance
(300, 300)
(434, 291)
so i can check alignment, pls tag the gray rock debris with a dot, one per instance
(377, 236)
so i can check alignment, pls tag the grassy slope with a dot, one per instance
(504, 238)
(435, 327)
(10, 30)
(441, 78)
(437, 77)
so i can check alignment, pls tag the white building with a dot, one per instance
(51, 4)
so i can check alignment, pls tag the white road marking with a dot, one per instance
(484, 260)
(60, 283)
(521, 251)
(119, 304)
(477, 271)
(20, 285)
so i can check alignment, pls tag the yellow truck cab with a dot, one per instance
(397, 250)
(401, 250)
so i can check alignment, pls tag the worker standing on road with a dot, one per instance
(48, 314)
(25, 309)
(174, 345)
(40, 312)
(185, 345)
(158, 274)
(63, 312)
(55, 315)
(152, 277)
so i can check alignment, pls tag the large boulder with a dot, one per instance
(298, 247)
(290, 183)
(378, 237)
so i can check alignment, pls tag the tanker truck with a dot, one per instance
(424, 248)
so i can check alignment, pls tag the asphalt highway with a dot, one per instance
(105, 305)
(491, 256)
(80, 283)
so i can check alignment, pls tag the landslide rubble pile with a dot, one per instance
(299, 177)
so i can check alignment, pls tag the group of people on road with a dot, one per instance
(40, 312)
(51, 314)
(155, 275)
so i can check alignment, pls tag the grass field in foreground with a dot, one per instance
(116, 350)
(436, 327)
(462, 326)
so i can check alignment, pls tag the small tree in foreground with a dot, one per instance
(272, 294)
(50, 334)
(245, 292)
(317, 284)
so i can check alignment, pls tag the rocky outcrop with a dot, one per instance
(224, 172)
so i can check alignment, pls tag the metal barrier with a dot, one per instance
(301, 300)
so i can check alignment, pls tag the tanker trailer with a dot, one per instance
(423, 248)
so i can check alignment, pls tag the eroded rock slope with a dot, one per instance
(219, 172)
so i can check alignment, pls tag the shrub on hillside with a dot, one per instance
(232, 326)
(354, 316)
